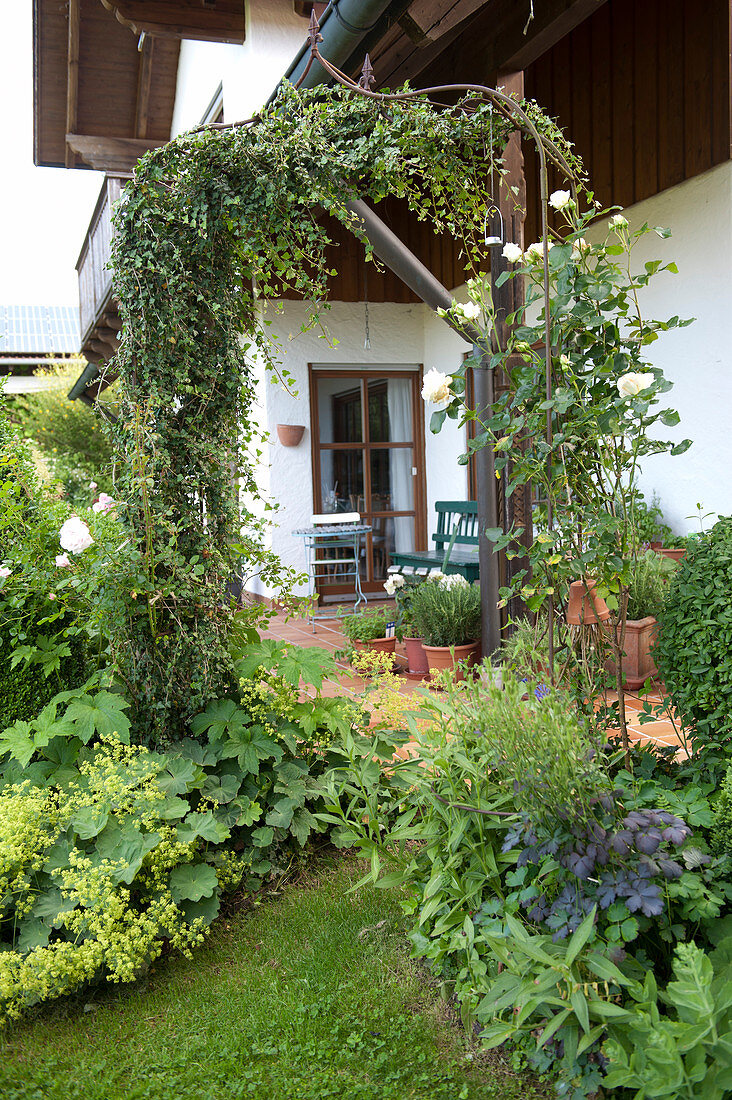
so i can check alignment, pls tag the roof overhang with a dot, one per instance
(93, 83)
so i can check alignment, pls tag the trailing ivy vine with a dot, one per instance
(211, 225)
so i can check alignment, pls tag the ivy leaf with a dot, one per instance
(192, 882)
(102, 713)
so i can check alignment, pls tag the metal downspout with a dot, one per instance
(343, 26)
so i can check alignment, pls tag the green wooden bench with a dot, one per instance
(456, 541)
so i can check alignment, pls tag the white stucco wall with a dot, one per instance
(697, 359)
(249, 72)
(401, 336)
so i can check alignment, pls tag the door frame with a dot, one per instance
(361, 373)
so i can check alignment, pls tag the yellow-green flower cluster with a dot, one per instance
(106, 925)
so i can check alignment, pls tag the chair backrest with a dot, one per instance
(464, 514)
(335, 517)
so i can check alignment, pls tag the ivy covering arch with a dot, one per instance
(211, 226)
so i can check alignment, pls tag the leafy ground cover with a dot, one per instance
(310, 996)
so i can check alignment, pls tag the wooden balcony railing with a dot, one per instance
(95, 278)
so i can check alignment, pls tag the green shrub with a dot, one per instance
(647, 587)
(365, 626)
(70, 436)
(446, 611)
(25, 690)
(648, 522)
(694, 650)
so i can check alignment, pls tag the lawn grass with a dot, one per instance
(310, 995)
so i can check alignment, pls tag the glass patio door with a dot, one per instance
(368, 457)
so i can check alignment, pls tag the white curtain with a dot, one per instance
(399, 403)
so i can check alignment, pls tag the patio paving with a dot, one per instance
(326, 634)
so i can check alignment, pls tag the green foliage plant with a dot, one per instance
(446, 611)
(69, 435)
(212, 227)
(647, 584)
(580, 448)
(367, 626)
(694, 649)
(648, 522)
(687, 1052)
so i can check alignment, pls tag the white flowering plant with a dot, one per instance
(604, 410)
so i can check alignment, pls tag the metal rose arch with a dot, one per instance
(399, 259)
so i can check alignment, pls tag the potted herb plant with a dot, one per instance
(646, 595)
(445, 612)
(402, 588)
(367, 630)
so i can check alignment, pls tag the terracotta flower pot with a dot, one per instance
(384, 645)
(440, 657)
(416, 657)
(381, 645)
(675, 553)
(585, 606)
(290, 434)
(638, 663)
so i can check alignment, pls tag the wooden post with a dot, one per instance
(507, 298)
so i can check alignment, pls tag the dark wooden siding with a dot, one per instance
(439, 254)
(642, 88)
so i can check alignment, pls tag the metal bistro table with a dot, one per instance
(333, 546)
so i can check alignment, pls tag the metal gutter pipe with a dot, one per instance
(394, 253)
(405, 265)
(90, 374)
(343, 26)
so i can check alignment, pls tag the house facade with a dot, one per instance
(642, 89)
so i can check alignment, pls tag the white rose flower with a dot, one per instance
(535, 251)
(436, 575)
(512, 253)
(92, 485)
(75, 536)
(618, 221)
(561, 199)
(632, 383)
(392, 582)
(565, 361)
(63, 561)
(436, 388)
(5, 572)
(471, 310)
(579, 247)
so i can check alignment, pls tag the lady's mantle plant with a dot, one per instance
(211, 225)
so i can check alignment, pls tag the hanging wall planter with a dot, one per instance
(290, 434)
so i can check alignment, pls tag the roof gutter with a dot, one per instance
(343, 25)
(89, 375)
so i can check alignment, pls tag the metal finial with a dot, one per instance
(367, 74)
(314, 35)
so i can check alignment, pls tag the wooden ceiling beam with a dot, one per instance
(477, 44)
(144, 79)
(215, 21)
(110, 154)
(72, 76)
